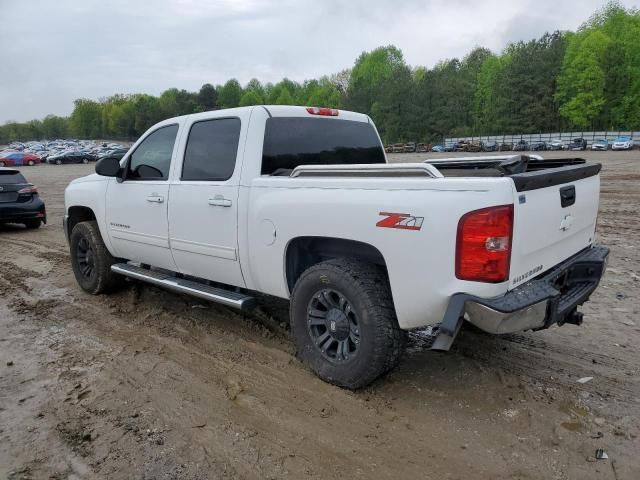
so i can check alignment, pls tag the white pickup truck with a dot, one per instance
(300, 203)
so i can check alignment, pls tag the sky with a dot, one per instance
(54, 51)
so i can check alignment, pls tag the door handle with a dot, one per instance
(219, 201)
(567, 196)
(155, 199)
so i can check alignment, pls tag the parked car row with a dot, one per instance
(19, 199)
(579, 143)
(58, 152)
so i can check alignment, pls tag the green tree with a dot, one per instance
(86, 119)
(229, 94)
(249, 97)
(582, 80)
(285, 92)
(368, 74)
(207, 98)
(147, 112)
(54, 127)
(257, 91)
(285, 98)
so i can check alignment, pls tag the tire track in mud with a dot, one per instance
(558, 364)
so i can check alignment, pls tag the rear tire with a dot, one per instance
(85, 161)
(31, 163)
(58, 162)
(91, 261)
(2, 164)
(344, 324)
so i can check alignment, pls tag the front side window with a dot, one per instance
(211, 150)
(152, 158)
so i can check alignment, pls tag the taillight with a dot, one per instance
(327, 112)
(29, 189)
(483, 248)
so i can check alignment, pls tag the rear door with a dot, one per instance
(555, 217)
(136, 208)
(203, 212)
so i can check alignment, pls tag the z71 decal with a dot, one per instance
(403, 221)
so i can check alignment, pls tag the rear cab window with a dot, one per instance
(211, 151)
(293, 141)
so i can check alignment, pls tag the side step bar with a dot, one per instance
(190, 287)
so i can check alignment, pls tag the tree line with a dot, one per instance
(583, 80)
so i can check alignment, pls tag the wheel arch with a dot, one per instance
(77, 214)
(304, 252)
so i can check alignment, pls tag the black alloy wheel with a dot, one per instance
(333, 326)
(86, 258)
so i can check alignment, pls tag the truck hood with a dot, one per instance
(94, 177)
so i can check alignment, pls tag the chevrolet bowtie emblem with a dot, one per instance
(566, 223)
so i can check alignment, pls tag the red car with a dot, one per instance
(18, 159)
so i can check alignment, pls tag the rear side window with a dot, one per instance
(11, 178)
(152, 158)
(211, 150)
(290, 142)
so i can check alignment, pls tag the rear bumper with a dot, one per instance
(17, 211)
(550, 299)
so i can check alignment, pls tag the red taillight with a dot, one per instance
(483, 248)
(327, 112)
(29, 189)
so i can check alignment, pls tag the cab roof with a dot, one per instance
(283, 111)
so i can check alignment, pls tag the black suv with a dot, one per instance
(578, 144)
(19, 200)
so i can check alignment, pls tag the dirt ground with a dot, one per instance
(146, 384)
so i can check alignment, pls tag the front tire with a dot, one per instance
(58, 162)
(344, 324)
(2, 164)
(31, 163)
(91, 261)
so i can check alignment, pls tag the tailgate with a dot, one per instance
(555, 214)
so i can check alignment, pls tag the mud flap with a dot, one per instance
(451, 323)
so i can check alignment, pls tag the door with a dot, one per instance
(137, 207)
(203, 212)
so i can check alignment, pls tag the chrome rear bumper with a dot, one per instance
(550, 299)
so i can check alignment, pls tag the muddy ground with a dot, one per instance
(146, 384)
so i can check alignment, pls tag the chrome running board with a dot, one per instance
(228, 298)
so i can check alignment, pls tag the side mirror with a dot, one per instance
(108, 167)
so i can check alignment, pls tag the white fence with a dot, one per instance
(566, 137)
